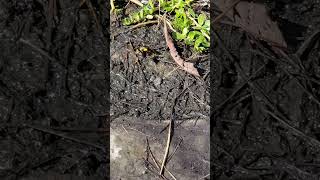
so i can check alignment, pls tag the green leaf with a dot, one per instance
(188, 2)
(168, 9)
(199, 40)
(180, 12)
(207, 23)
(185, 31)
(198, 43)
(182, 20)
(180, 36)
(197, 28)
(178, 24)
(151, 3)
(181, 4)
(141, 14)
(201, 19)
(126, 22)
(162, 3)
(203, 31)
(190, 38)
(191, 12)
(205, 43)
(192, 35)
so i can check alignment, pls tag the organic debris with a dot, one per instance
(186, 66)
(253, 17)
(266, 103)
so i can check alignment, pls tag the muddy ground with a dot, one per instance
(149, 88)
(54, 95)
(53, 89)
(265, 118)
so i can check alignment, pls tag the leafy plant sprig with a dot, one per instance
(191, 28)
(146, 12)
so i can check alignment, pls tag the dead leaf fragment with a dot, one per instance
(186, 66)
(253, 17)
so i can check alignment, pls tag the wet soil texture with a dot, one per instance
(265, 118)
(148, 86)
(53, 89)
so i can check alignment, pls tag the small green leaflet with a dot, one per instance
(191, 28)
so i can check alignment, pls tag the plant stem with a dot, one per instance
(197, 24)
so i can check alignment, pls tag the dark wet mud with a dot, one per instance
(147, 90)
(53, 89)
(265, 118)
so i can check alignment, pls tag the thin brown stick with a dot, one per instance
(165, 157)
(84, 130)
(65, 136)
(308, 43)
(152, 156)
(157, 163)
(153, 171)
(174, 151)
(136, 26)
(312, 141)
(83, 1)
(205, 176)
(137, 2)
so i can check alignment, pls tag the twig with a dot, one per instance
(139, 132)
(152, 156)
(175, 150)
(81, 129)
(157, 163)
(169, 73)
(203, 177)
(137, 2)
(152, 171)
(42, 52)
(83, 1)
(308, 43)
(312, 141)
(167, 148)
(66, 137)
(136, 26)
